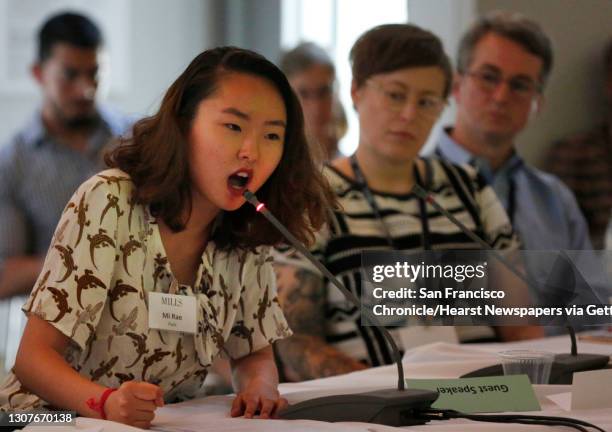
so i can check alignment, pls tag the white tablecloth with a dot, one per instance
(438, 360)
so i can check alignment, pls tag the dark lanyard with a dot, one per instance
(511, 200)
(367, 192)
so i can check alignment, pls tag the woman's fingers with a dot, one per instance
(142, 416)
(251, 406)
(237, 406)
(267, 407)
(280, 405)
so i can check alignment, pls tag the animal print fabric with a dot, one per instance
(105, 257)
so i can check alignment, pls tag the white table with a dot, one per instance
(438, 360)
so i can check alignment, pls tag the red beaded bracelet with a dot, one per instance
(99, 406)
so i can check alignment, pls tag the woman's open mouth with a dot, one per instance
(239, 180)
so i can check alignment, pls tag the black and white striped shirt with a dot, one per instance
(355, 228)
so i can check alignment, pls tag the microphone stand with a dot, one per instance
(391, 407)
(564, 365)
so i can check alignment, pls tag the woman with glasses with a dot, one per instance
(401, 81)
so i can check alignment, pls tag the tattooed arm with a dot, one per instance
(255, 380)
(306, 355)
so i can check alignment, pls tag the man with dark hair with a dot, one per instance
(583, 162)
(503, 63)
(56, 151)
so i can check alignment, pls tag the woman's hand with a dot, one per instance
(42, 367)
(258, 396)
(134, 403)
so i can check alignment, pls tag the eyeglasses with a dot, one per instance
(522, 88)
(427, 106)
(317, 93)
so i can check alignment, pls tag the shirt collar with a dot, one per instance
(449, 149)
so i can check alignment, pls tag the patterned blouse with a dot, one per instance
(105, 257)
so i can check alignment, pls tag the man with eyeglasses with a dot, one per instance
(503, 62)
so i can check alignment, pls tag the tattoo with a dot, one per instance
(302, 297)
(306, 355)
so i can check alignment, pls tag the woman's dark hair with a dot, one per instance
(156, 158)
(389, 47)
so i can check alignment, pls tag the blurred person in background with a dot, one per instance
(57, 149)
(503, 63)
(401, 82)
(312, 75)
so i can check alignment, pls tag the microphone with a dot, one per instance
(564, 365)
(391, 407)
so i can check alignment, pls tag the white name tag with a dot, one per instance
(172, 312)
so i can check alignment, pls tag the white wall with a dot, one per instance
(254, 25)
(162, 38)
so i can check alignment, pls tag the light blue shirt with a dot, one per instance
(545, 215)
